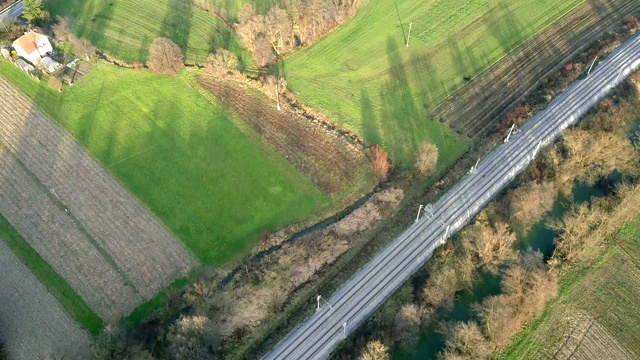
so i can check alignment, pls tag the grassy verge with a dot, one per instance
(179, 153)
(366, 79)
(606, 289)
(54, 283)
(126, 28)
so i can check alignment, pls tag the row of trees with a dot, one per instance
(281, 30)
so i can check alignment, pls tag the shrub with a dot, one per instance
(529, 202)
(55, 83)
(427, 159)
(221, 62)
(375, 350)
(165, 56)
(381, 163)
(61, 28)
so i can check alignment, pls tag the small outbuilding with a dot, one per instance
(32, 46)
(48, 64)
(25, 66)
(6, 53)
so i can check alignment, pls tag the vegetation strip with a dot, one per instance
(55, 284)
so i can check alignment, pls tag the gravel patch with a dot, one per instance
(33, 324)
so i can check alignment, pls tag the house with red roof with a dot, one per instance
(32, 46)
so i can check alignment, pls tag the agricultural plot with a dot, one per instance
(33, 325)
(179, 153)
(329, 161)
(104, 242)
(476, 107)
(364, 76)
(126, 28)
(596, 315)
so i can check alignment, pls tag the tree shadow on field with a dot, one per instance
(505, 27)
(94, 28)
(177, 22)
(370, 126)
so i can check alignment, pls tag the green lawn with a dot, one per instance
(54, 283)
(212, 187)
(608, 291)
(366, 79)
(126, 28)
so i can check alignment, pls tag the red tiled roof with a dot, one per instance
(28, 41)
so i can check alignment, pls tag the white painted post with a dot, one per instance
(277, 95)
(510, 132)
(594, 61)
(318, 308)
(344, 330)
(409, 35)
(418, 217)
(446, 232)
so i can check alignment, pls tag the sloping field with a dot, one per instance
(179, 153)
(597, 315)
(476, 107)
(364, 76)
(104, 242)
(126, 28)
(33, 325)
(330, 162)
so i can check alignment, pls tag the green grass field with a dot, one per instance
(126, 28)
(607, 292)
(213, 187)
(54, 283)
(366, 79)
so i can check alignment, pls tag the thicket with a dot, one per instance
(165, 56)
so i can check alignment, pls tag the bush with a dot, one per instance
(221, 62)
(381, 163)
(375, 350)
(427, 159)
(165, 56)
(55, 83)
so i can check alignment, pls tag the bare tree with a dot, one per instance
(427, 159)
(491, 246)
(406, 326)
(375, 350)
(466, 340)
(221, 62)
(263, 51)
(61, 28)
(165, 56)
(381, 162)
(530, 201)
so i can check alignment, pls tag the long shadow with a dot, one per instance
(177, 22)
(404, 36)
(370, 126)
(505, 27)
(94, 29)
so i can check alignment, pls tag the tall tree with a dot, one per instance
(34, 12)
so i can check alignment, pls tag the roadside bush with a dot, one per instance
(427, 159)
(165, 56)
(381, 163)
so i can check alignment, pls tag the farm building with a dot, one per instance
(24, 66)
(49, 65)
(32, 46)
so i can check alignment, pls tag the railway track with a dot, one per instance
(358, 298)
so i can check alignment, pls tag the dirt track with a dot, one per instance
(475, 108)
(33, 324)
(103, 241)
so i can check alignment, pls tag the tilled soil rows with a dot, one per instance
(477, 106)
(103, 241)
(33, 324)
(330, 162)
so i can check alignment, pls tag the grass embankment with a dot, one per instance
(210, 185)
(54, 282)
(597, 309)
(126, 28)
(366, 79)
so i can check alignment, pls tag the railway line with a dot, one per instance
(359, 297)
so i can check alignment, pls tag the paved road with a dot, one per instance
(358, 298)
(11, 13)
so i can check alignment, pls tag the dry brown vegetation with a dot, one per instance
(221, 63)
(529, 202)
(427, 159)
(165, 56)
(490, 246)
(328, 160)
(82, 48)
(281, 30)
(375, 350)
(381, 163)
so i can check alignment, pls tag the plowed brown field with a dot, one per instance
(476, 107)
(328, 160)
(104, 242)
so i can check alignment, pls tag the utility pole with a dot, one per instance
(344, 330)
(418, 217)
(594, 61)
(510, 132)
(617, 77)
(318, 308)
(474, 167)
(277, 95)
(409, 35)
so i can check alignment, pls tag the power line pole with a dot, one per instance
(409, 35)
(594, 61)
(418, 217)
(277, 95)
(510, 132)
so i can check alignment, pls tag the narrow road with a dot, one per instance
(359, 297)
(12, 12)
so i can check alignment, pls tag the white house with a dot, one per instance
(32, 46)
